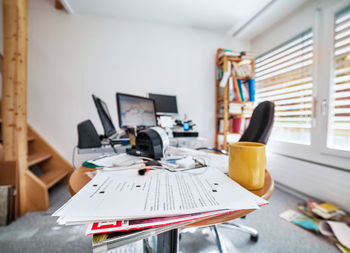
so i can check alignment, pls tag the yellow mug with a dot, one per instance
(247, 162)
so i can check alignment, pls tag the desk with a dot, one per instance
(79, 179)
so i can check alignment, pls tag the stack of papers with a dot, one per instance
(115, 201)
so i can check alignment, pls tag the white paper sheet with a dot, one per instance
(116, 160)
(126, 195)
(218, 161)
(338, 229)
(224, 79)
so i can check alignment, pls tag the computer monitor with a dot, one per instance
(165, 104)
(135, 111)
(105, 117)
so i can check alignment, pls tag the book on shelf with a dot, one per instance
(224, 79)
(219, 72)
(235, 108)
(239, 82)
(221, 92)
(221, 126)
(251, 88)
(231, 137)
(227, 52)
(248, 109)
(236, 128)
(232, 53)
(236, 125)
(237, 91)
(245, 91)
(231, 93)
(244, 70)
(244, 124)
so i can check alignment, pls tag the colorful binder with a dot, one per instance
(236, 88)
(251, 86)
(239, 81)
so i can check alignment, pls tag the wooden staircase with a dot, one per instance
(55, 169)
(23, 149)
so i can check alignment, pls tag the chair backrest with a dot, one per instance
(260, 126)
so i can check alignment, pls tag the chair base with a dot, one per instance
(254, 235)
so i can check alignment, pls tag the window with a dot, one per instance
(339, 113)
(284, 76)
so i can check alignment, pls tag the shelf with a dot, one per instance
(228, 133)
(229, 58)
(221, 99)
(235, 114)
(223, 102)
(237, 77)
(244, 77)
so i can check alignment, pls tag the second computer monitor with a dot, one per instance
(165, 104)
(135, 111)
(105, 117)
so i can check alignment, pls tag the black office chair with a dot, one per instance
(259, 130)
(260, 126)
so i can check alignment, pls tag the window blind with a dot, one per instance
(284, 76)
(339, 135)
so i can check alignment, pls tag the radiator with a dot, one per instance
(319, 181)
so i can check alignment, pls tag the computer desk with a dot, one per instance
(168, 241)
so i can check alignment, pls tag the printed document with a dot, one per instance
(125, 195)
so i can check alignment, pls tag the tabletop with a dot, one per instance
(81, 176)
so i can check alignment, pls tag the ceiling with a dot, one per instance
(243, 19)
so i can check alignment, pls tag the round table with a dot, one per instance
(80, 178)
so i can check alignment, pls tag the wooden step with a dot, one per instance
(51, 177)
(31, 138)
(38, 158)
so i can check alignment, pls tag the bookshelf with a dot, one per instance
(235, 92)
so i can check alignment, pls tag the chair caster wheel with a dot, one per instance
(254, 238)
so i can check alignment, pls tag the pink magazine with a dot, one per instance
(118, 226)
(125, 225)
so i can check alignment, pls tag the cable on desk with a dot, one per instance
(111, 143)
(73, 157)
(174, 170)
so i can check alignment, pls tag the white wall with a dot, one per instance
(290, 26)
(72, 56)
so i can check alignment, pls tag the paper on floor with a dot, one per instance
(338, 229)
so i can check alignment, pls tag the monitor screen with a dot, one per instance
(105, 117)
(135, 111)
(165, 104)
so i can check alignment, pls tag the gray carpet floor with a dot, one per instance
(39, 232)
